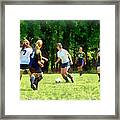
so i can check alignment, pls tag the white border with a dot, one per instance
(104, 13)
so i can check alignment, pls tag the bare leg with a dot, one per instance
(21, 72)
(64, 74)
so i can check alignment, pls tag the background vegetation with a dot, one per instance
(71, 33)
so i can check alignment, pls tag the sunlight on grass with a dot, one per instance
(85, 87)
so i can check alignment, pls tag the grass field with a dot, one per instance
(85, 87)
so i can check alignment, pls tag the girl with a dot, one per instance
(64, 56)
(80, 60)
(36, 63)
(98, 64)
(25, 53)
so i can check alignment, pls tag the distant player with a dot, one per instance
(25, 53)
(64, 56)
(81, 60)
(36, 64)
(98, 64)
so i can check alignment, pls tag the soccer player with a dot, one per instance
(64, 56)
(98, 64)
(36, 63)
(25, 53)
(81, 60)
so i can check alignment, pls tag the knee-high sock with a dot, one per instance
(99, 76)
(65, 77)
(70, 77)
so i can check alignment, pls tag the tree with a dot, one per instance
(71, 33)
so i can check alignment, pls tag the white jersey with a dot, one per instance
(63, 55)
(25, 55)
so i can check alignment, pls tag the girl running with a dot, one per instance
(25, 53)
(81, 60)
(36, 63)
(64, 56)
(98, 64)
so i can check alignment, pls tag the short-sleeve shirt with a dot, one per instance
(63, 55)
(81, 55)
(25, 55)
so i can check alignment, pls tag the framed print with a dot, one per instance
(59, 60)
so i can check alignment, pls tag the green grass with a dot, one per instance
(85, 87)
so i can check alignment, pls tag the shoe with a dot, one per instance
(67, 81)
(81, 73)
(33, 86)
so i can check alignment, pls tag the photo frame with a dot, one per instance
(3, 65)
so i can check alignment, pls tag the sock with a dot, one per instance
(70, 77)
(20, 77)
(80, 73)
(40, 77)
(36, 82)
(99, 76)
(32, 80)
(65, 78)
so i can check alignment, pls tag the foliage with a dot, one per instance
(71, 33)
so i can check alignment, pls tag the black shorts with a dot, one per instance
(80, 62)
(63, 65)
(24, 66)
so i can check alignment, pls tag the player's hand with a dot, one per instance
(71, 63)
(41, 65)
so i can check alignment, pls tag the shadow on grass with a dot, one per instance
(26, 89)
(57, 83)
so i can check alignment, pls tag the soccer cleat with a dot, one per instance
(67, 81)
(80, 73)
(33, 86)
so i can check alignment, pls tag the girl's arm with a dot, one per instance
(39, 62)
(70, 58)
(57, 60)
(44, 58)
(84, 59)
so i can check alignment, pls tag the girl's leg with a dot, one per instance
(66, 72)
(98, 72)
(99, 77)
(32, 81)
(80, 70)
(39, 77)
(64, 75)
(21, 72)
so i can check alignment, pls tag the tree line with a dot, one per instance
(71, 33)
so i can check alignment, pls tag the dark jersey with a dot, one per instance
(80, 58)
(35, 57)
(81, 55)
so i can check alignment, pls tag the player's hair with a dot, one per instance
(24, 43)
(81, 48)
(59, 45)
(25, 40)
(39, 42)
